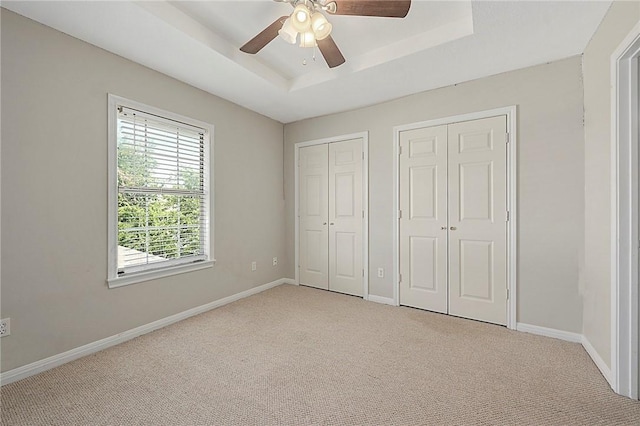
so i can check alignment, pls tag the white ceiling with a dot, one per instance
(437, 44)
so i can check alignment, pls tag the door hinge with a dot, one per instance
(363, 272)
(508, 294)
(400, 278)
(400, 150)
(363, 214)
(363, 156)
(508, 215)
(508, 138)
(399, 214)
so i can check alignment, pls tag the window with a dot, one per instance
(159, 218)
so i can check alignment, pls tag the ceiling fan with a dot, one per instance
(309, 22)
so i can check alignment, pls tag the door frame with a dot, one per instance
(624, 216)
(365, 202)
(512, 247)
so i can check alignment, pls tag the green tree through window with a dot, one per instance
(160, 191)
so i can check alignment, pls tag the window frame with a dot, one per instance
(171, 267)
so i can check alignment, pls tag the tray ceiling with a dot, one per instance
(437, 44)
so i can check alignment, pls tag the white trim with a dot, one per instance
(549, 332)
(382, 300)
(569, 337)
(296, 216)
(113, 280)
(112, 182)
(365, 220)
(396, 217)
(158, 273)
(79, 352)
(512, 205)
(624, 216)
(365, 201)
(331, 139)
(597, 359)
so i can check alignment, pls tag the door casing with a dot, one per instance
(511, 113)
(365, 202)
(625, 213)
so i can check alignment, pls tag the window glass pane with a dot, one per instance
(173, 161)
(162, 216)
(157, 227)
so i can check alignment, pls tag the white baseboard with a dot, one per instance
(550, 332)
(90, 348)
(380, 299)
(571, 337)
(597, 360)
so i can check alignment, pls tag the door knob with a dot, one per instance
(325, 223)
(444, 228)
(331, 223)
(453, 228)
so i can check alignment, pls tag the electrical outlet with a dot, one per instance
(5, 327)
(254, 266)
(380, 272)
(275, 261)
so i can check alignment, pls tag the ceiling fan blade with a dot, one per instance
(261, 40)
(330, 51)
(382, 8)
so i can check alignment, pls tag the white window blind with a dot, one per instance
(162, 192)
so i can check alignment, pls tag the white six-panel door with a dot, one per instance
(314, 212)
(453, 223)
(345, 217)
(477, 219)
(423, 230)
(331, 216)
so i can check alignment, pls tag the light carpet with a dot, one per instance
(300, 356)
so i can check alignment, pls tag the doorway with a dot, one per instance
(455, 239)
(331, 235)
(625, 216)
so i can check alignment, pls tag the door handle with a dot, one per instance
(444, 228)
(453, 228)
(331, 223)
(325, 223)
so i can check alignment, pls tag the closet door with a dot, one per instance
(345, 217)
(313, 210)
(477, 219)
(423, 224)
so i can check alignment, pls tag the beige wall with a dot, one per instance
(550, 178)
(54, 169)
(54, 190)
(595, 276)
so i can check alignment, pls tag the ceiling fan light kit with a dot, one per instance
(301, 17)
(308, 20)
(288, 33)
(320, 26)
(308, 39)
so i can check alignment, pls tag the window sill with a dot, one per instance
(159, 273)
